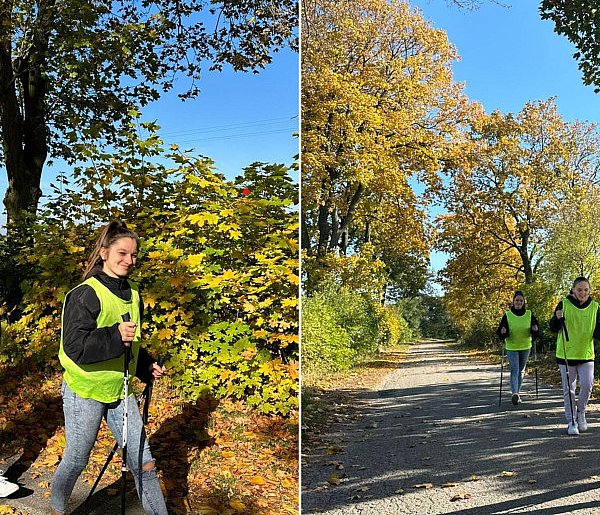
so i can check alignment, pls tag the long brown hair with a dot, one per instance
(113, 231)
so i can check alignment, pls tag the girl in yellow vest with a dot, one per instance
(91, 351)
(576, 321)
(517, 328)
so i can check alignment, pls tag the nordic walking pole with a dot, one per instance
(536, 368)
(126, 318)
(566, 339)
(149, 387)
(501, 371)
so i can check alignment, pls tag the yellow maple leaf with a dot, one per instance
(237, 505)
(289, 302)
(194, 259)
(228, 274)
(258, 480)
(164, 334)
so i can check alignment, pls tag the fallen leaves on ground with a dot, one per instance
(460, 497)
(9, 510)
(212, 458)
(334, 449)
(333, 479)
(424, 485)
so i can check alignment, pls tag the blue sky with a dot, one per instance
(238, 118)
(510, 56)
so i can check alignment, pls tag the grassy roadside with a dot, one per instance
(326, 397)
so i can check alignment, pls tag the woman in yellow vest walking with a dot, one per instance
(517, 328)
(576, 321)
(91, 351)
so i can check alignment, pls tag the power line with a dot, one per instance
(288, 130)
(223, 128)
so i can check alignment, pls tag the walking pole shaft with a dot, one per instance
(566, 339)
(536, 368)
(126, 318)
(501, 371)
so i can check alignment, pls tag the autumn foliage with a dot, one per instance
(218, 269)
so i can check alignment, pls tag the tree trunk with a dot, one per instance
(323, 225)
(344, 243)
(305, 237)
(23, 114)
(334, 236)
(525, 258)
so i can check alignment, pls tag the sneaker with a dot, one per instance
(572, 429)
(581, 421)
(6, 487)
(515, 398)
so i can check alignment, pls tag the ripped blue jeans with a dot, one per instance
(82, 422)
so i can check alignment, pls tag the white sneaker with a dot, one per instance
(581, 421)
(572, 429)
(6, 487)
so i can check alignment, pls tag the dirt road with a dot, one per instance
(431, 439)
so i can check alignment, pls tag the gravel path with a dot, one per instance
(435, 422)
(33, 496)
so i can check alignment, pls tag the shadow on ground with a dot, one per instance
(448, 428)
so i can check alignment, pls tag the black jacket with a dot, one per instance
(556, 324)
(518, 312)
(85, 343)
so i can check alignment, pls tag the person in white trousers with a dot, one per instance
(576, 321)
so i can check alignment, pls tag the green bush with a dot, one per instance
(340, 327)
(393, 327)
(218, 268)
(326, 344)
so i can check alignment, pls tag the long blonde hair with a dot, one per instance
(112, 232)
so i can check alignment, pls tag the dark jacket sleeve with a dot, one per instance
(83, 342)
(144, 362)
(555, 323)
(503, 323)
(597, 328)
(534, 321)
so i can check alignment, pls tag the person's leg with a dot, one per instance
(523, 357)
(82, 421)
(513, 363)
(138, 453)
(586, 382)
(568, 390)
